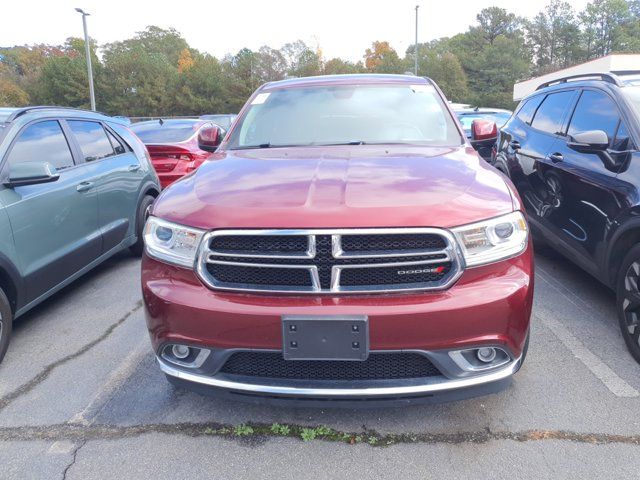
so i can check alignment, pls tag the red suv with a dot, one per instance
(350, 245)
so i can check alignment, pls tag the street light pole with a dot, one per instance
(87, 51)
(416, 47)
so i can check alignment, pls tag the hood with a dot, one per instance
(338, 187)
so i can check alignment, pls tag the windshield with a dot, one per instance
(380, 114)
(223, 121)
(633, 94)
(500, 118)
(171, 131)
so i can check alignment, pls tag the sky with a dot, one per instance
(341, 28)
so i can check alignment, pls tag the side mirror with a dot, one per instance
(31, 173)
(483, 130)
(210, 138)
(592, 141)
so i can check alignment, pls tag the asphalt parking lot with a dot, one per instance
(82, 397)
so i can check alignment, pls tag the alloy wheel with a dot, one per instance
(631, 301)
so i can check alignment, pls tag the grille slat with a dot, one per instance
(329, 261)
(379, 366)
(398, 242)
(260, 244)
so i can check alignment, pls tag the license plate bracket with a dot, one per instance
(311, 337)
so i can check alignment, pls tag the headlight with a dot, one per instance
(172, 243)
(494, 239)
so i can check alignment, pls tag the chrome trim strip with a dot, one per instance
(451, 252)
(445, 385)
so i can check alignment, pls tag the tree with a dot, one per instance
(554, 37)
(604, 23)
(495, 22)
(185, 61)
(381, 58)
(271, 64)
(301, 60)
(238, 78)
(11, 94)
(63, 78)
(336, 66)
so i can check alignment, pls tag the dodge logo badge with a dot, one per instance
(421, 270)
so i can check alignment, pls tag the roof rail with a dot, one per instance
(21, 111)
(607, 77)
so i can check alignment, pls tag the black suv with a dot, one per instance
(571, 149)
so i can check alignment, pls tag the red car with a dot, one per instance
(351, 246)
(178, 146)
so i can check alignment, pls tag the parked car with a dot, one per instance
(75, 189)
(178, 146)
(223, 120)
(486, 143)
(350, 245)
(571, 150)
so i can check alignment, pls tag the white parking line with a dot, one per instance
(115, 381)
(606, 375)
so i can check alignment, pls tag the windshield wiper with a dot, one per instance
(249, 147)
(354, 142)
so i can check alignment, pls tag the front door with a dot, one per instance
(536, 188)
(54, 225)
(589, 196)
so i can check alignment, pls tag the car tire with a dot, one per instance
(6, 323)
(141, 217)
(628, 300)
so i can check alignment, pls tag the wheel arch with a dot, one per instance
(620, 244)
(10, 283)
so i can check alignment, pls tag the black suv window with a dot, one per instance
(528, 109)
(42, 142)
(622, 141)
(595, 111)
(551, 113)
(92, 139)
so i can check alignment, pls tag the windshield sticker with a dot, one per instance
(260, 98)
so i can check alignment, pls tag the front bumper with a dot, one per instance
(488, 306)
(387, 390)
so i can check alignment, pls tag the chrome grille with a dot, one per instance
(329, 261)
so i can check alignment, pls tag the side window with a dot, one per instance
(528, 109)
(117, 144)
(595, 111)
(92, 139)
(551, 113)
(622, 141)
(42, 142)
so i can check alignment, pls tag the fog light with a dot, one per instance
(180, 351)
(486, 354)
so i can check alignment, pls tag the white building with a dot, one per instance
(617, 63)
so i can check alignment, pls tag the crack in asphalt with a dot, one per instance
(73, 459)
(259, 431)
(44, 374)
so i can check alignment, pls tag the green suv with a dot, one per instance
(75, 187)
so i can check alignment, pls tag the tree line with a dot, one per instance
(157, 73)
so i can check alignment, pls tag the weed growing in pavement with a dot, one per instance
(242, 430)
(278, 429)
